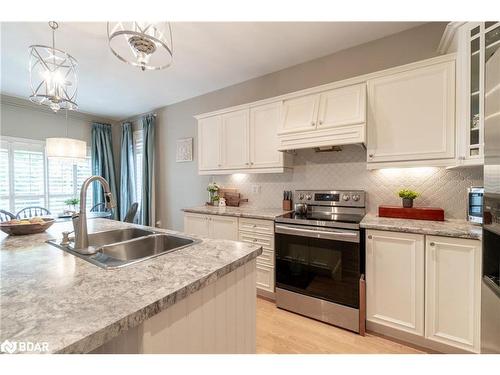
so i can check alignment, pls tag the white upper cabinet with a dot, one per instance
(474, 42)
(327, 118)
(344, 106)
(209, 143)
(411, 114)
(241, 141)
(299, 114)
(235, 140)
(264, 142)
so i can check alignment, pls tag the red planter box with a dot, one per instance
(418, 213)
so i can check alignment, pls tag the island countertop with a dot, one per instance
(242, 211)
(50, 296)
(447, 228)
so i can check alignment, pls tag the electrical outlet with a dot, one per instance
(256, 189)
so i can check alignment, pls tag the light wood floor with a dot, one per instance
(283, 332)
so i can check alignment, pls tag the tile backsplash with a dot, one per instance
(346, 169)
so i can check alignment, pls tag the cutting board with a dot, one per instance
(418, 213)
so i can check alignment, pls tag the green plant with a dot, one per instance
(72, 201)
(408, 194)
(213, 187)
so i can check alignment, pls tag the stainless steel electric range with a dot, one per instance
(320, 257)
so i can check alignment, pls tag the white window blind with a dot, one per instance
(28, 178)
(28, 173)
(64, 182)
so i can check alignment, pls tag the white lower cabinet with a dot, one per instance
(453, 287)
(265, 277)
(211, 226)
(395, 280)
(261, 232)
(427, 286)
(254, 231)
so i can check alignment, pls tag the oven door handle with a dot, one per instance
(318, 233)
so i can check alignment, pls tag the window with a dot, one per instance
(138, 148)
(65, 179)
(28, 178)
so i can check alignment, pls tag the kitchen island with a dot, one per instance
(198, 299)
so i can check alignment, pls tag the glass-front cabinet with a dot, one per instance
(476, 43)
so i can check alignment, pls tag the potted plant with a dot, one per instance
(73, 202)
(213, 190)
(408, 196)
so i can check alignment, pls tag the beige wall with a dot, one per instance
(179, 184)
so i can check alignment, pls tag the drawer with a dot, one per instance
(267, 257)
(265, 277)
(257, 226)
(265, 241)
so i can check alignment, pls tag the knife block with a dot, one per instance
(287, 205)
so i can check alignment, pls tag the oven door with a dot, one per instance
(319, 262)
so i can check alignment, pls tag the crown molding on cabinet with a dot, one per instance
(332, 85)
(447, 38)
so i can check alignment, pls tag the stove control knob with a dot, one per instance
(301, 196)
(355, 197)
(346, 197)
(308, 197)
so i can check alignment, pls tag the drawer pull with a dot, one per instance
(432, 244)
(370, 237)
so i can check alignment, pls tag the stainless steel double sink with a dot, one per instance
(123, 247)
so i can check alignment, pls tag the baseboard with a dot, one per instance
(412, 340)
(270, 296)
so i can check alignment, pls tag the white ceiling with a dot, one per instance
(207, 57)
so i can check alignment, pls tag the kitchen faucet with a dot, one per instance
(80, 219)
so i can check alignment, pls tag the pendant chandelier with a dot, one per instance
(64, 147)
(53, 76)
(147, 45)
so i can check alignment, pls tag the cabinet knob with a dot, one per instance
(370, 237)
(312, 123)
(370, 155)
(251, 163)
(220, 165)
(247, 163)
(432, 244)
(321, 122)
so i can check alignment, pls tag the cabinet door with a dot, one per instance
(209, 146)
(299, 114)
(265, 277)
(235, 140)
(395, 280)
(264, 142)
(343, 106)
(223, 227)
(196, 224)
(411, 115)
(453, 283)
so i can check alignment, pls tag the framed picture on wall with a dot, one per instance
(184, 150)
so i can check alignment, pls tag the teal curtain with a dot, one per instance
(102, 161)
(127, 170)
(148, 165)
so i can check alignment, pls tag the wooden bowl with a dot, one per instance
(22, 229)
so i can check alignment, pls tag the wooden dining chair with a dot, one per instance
(28, 212)
(6, 216)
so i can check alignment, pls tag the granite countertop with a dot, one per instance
(48, 295)
(447, 228)
(242, 211)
